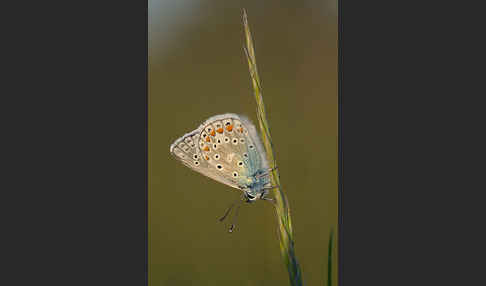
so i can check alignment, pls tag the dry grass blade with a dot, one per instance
(281, 203)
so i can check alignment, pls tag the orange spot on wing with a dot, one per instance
(206, 157)
(213, 133)
(208, 139)
(241, 129)
(229, 127)
(220, 130)
(206, 148)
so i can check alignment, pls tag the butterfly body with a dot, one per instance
(256, 187)
(227, 149)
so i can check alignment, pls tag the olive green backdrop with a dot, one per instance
(197, 69)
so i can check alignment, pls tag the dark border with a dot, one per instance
(146, 149)
(340, 147)
(77, 136)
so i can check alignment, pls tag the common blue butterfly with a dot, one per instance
(227, 149)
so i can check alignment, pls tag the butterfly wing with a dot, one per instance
(190, 155)
(225, 148)
(257, 154)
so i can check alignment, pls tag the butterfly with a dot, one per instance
(227, 148)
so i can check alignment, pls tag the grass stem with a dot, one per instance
(281, 203)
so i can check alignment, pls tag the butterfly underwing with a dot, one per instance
(227, 149)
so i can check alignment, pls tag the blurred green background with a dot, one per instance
(197, 69)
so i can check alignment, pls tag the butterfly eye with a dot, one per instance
(251, 146)
(235, 141)
(242, 140)
(245, 155)
(226, 139)
(215, 146)
(196, 163)
(219, 166)
(195, 156)
(219, 141)
(216, 157)
(235, 174)
(240, 163)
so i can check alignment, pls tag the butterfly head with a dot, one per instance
(255, 189)
(251, 196)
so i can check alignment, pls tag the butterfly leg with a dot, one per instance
(268, 199)
(267, 172)
(271, 187)
(265, 192)
(272, 169)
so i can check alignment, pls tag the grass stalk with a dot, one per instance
(329, 259)
(281, 203)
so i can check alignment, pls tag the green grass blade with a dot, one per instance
(329, 259)
(281, 204)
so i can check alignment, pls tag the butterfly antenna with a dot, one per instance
(233, 223)
(267, 173)
(226, 213)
